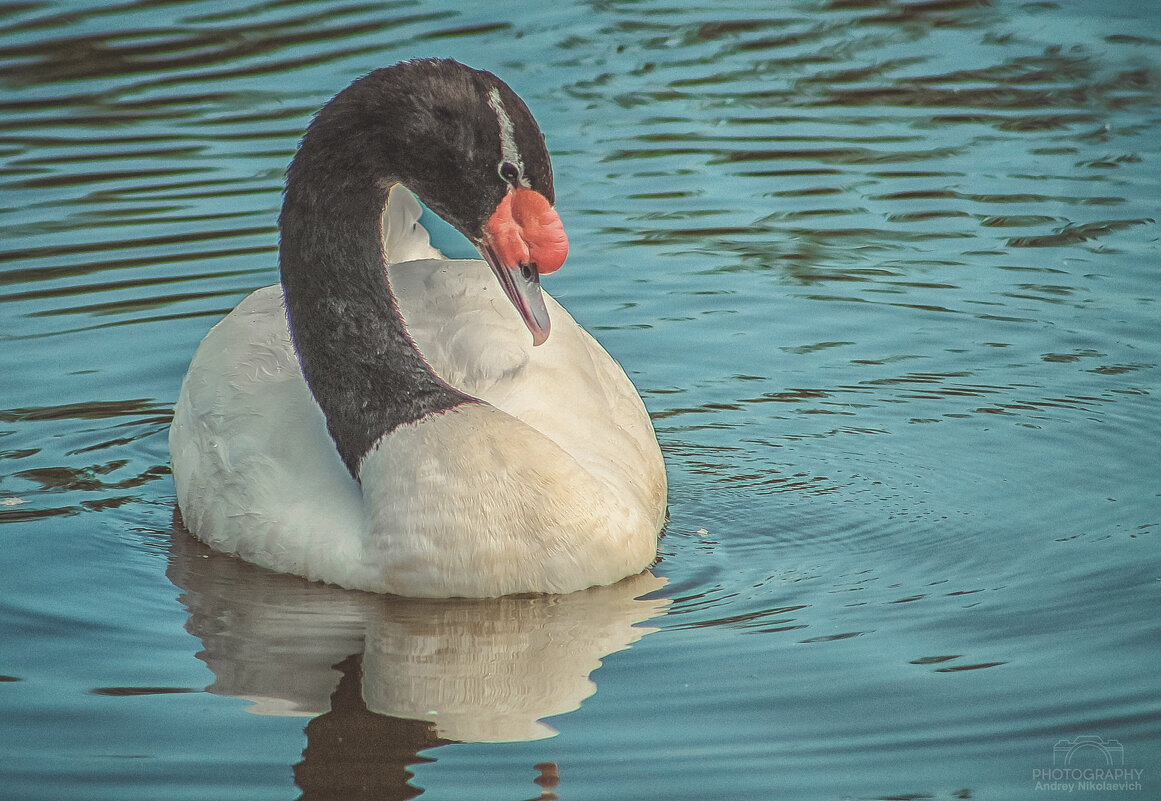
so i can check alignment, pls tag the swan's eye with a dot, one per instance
(509, 172)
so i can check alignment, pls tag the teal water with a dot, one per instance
(887, 276)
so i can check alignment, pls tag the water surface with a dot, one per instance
(886, 275)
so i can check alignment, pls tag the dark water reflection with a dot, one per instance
(414, 674)
(885, 272)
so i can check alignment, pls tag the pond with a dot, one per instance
(886, 275)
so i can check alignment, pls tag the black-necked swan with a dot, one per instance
(382, 420)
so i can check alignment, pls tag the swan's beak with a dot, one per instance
(521, 283)
(523, 238)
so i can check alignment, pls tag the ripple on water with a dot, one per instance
(55, 453)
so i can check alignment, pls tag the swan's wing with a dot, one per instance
(569, 388)
(256, 471)
(404, 239)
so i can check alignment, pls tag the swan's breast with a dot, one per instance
(474, 502)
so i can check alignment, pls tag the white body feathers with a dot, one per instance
(553, 483)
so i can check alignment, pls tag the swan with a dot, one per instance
(381, 420)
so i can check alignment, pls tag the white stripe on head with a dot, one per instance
(508, 149)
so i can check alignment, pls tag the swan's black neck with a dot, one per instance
(441, 129)
(358, 360)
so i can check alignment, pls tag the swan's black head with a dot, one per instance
(465, 144)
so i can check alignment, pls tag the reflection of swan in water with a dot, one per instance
(475, 670)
